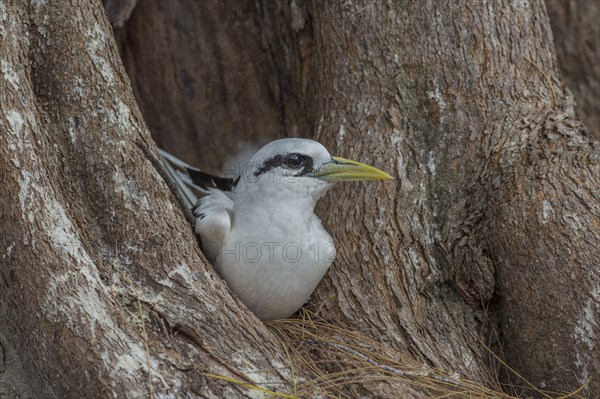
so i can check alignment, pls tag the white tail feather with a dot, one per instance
(173, 166)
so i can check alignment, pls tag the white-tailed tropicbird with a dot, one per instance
(259, 230)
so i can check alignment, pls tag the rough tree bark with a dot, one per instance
(494, 214)
(576, 31)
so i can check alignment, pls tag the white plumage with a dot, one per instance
(263, 236)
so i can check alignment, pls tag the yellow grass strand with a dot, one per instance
(575, 392)
(250, 386)
(546, 77)
(289, 358)
(514, 371)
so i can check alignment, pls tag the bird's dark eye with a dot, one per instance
(294, 161)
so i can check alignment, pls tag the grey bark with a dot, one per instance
(576, 32)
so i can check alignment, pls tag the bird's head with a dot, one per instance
(299, 168)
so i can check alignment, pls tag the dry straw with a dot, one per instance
(339, 363)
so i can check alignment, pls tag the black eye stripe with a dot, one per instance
(270, 163)
(287, 160)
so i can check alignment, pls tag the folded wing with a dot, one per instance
(213, 221)
(213, 210)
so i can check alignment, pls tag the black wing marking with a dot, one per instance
(196, 211)
(206, 180)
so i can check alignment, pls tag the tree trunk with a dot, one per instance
(489, 235)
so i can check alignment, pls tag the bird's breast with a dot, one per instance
(275, 267)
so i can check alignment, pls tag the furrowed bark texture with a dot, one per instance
(103, 291)
(496, 201)
(576, 31)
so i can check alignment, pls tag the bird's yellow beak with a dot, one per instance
(341, 169)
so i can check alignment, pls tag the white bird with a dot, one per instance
(260, 231)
